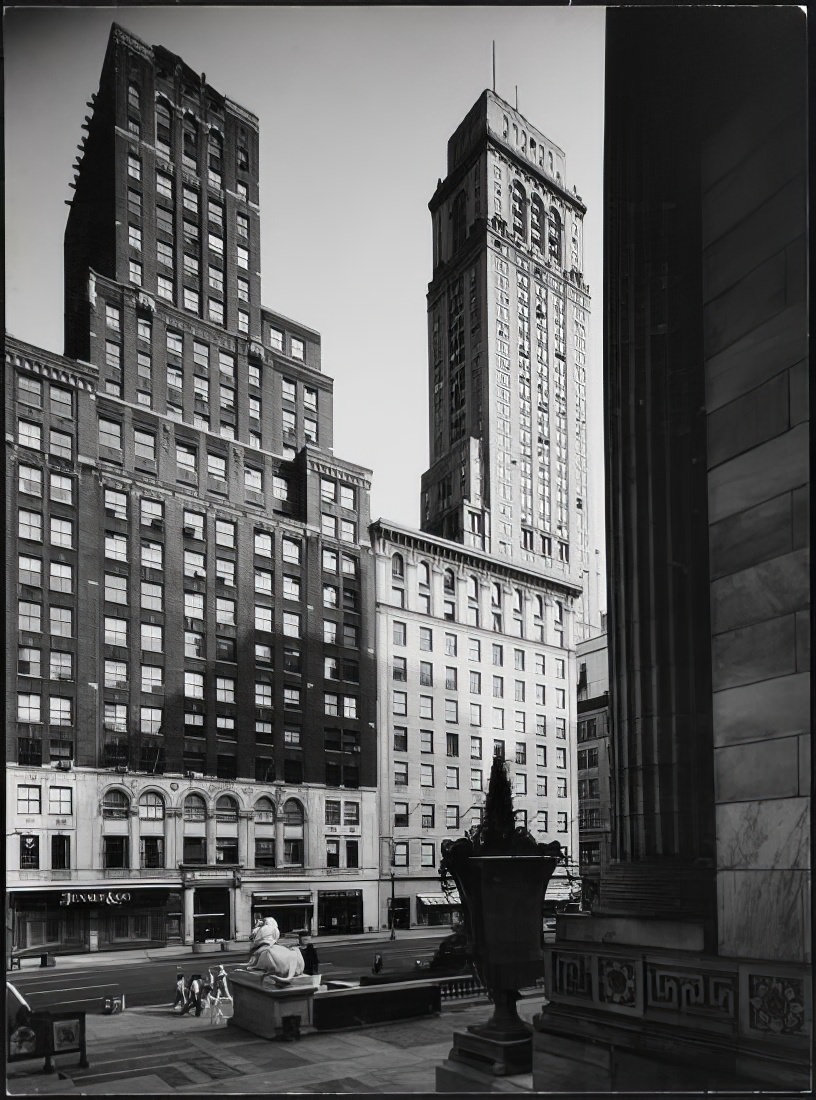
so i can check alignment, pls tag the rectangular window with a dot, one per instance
(452, 778)
(29, 799)
(426, 775)
(61, 801)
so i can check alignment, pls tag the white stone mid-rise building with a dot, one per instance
(475, 657)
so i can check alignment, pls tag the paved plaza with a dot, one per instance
(150, 1051)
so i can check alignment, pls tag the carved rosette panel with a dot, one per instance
(776, 1005)
(617, 982)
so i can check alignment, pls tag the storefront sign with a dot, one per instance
(95, 897)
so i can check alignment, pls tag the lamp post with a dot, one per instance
(393, 908)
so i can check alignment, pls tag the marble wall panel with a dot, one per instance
(774, 833)
(772, 224)
(759, 652)
(756, 297)
(770, 708)
(805, 775)
(760, 354)
(757, 769)
(799, 393)
(802, 641)
(801, 516)
(761, 914)
(767, 168)
(750, 420)
(765, 591)
(759, 474)
(752, 536)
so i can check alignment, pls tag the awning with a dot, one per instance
(440, 899)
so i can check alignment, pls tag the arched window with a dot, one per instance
(449, 581)
(523, 141)
(505, 126)
(292, 812)
(552, 164)
(116, 805)
(473, 588)
(532, 148)
(292, 833)
(518, 599)
(519, 208)
(215, 157)
(164, 128)
(151, 807)
(459, 219)
(539, 607)
(189, 155)
(265, 811)
(495, 594)
(226, 810)
(537, 218)
(195, 808)
(554, 236)
(423, 573)
(397, 567)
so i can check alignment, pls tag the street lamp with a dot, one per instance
(393, 907)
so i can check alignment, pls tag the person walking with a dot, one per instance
(308, 950)
(181, 992)
(193, 996)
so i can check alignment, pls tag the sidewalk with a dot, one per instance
(151, 1052)
(235, 949)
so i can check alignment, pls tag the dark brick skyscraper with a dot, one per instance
(192, 655)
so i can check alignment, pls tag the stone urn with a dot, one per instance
(501, 873)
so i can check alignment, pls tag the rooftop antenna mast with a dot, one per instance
(517, 97)
(494, 66)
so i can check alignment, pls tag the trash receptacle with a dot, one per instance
(113, 1004)
(47, 960)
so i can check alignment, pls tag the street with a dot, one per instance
(152, 982)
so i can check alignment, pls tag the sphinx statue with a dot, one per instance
(271, 958)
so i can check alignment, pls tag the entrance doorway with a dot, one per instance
(211, 914)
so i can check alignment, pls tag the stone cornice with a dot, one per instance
(468, 556)
(49, 365)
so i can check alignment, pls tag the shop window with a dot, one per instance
(195, 849)
(115, 851)
(151, 851)
(115, 805)
(226, 850)
(29, 853)
(264, 852)
(293, 852)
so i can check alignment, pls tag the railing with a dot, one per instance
(465, 985)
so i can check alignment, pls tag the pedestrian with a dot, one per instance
(221, 987)
(181, 992)
(309, 953)
(193, 996)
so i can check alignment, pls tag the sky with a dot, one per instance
(355, 107)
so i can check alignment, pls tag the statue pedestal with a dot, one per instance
(269, 1010)
(495, 1056)
(455, 1076)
